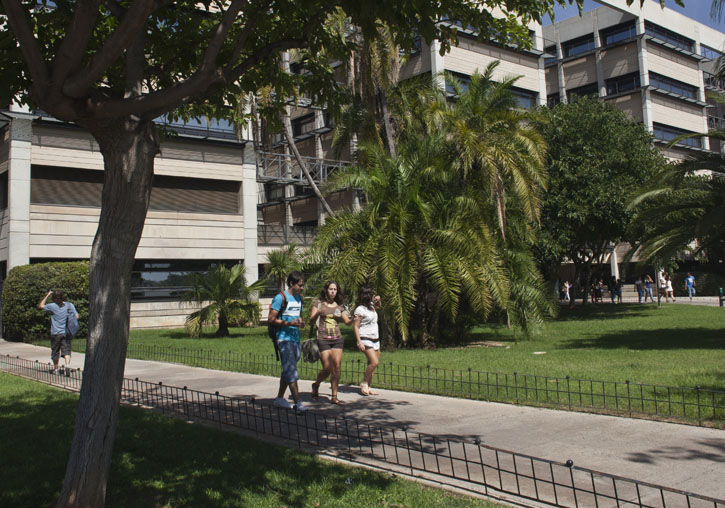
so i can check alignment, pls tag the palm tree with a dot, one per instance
(281, 262)
(684, 207)
(225, 293)
(497, 150)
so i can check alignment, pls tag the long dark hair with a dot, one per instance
(365, 297)
(339, 298)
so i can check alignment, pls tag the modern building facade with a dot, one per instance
(216, 200)
(653, 63)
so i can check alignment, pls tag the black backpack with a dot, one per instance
(272, 328)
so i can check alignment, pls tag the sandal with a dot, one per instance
(336, 401)
(372, 392)
(315, 391)
(364, 389)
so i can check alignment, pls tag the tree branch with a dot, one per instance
(185, 91)
(18, 20)
(208, 61)
(116, 43)
(70, 54)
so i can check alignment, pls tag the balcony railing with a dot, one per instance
(280, 234)
(286, 168)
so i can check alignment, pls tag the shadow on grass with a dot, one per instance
(666, 338)
(159, 461)
(603, 310)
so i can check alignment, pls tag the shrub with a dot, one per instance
(247, 316)
(706, 284)
(26, 285)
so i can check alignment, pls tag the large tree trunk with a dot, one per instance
(128, 149)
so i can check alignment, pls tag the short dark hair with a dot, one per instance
(339, 298)
(58, 297)
(294, 277)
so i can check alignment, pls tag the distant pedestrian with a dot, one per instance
(367, 335)
(639, 286)
(60, 337)
(663, 287)
(648, 282)
(289, 321)
(619, 290)
(567, 287)
(669, 290)
(330, 311)
(612, 286)
(690, 285)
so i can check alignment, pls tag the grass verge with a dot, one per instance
(164, 462)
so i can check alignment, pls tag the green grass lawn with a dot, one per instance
(675, 345)
(164, 462)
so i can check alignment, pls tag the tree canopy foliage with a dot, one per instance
(682, 208)
(597, 157)
(447, 219)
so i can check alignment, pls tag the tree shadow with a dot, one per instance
(592, 311)
(662, 339)
(160, 461)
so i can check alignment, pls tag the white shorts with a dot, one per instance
(370, 344)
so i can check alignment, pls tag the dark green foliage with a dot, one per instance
(26, 285)
(706, 284)
(597, 157)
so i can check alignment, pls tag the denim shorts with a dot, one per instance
(289, 355)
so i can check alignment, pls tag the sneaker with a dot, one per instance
(281, 402)
(54, 371)
(300, 407)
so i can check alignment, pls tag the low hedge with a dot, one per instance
(706, 284)
(26, 285)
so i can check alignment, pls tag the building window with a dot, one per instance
(591, 90)
(303, 126)
(550, 55)
(525, 99)
(622, 84)
(553, 99)
(578, 46)
(669, 36)
(166, 279)
(4, 191)
(672, 85)
(667, 133)
(78, 187)
(709, 53)
(463, 80)
(618, 33)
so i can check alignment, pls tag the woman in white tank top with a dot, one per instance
(365, 327)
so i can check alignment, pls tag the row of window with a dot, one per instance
(667, 133)
(525, 99)
(628, 83)
(77, 187)
(625, 31)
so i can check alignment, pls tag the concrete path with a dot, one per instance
(672, 455)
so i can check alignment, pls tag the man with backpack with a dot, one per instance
(285, 314)
(62, 313)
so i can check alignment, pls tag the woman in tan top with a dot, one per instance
(329, 339)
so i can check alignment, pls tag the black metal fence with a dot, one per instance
(687, 404)
(470, 465)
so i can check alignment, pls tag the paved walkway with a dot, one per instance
(672, 455)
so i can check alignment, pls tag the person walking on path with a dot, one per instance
(330, 311)
(669, 290)
(648, 289)
(60, 338)
(690, 285)
(567, 287)
(366, 332)
(286, 313)
(619, 287)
